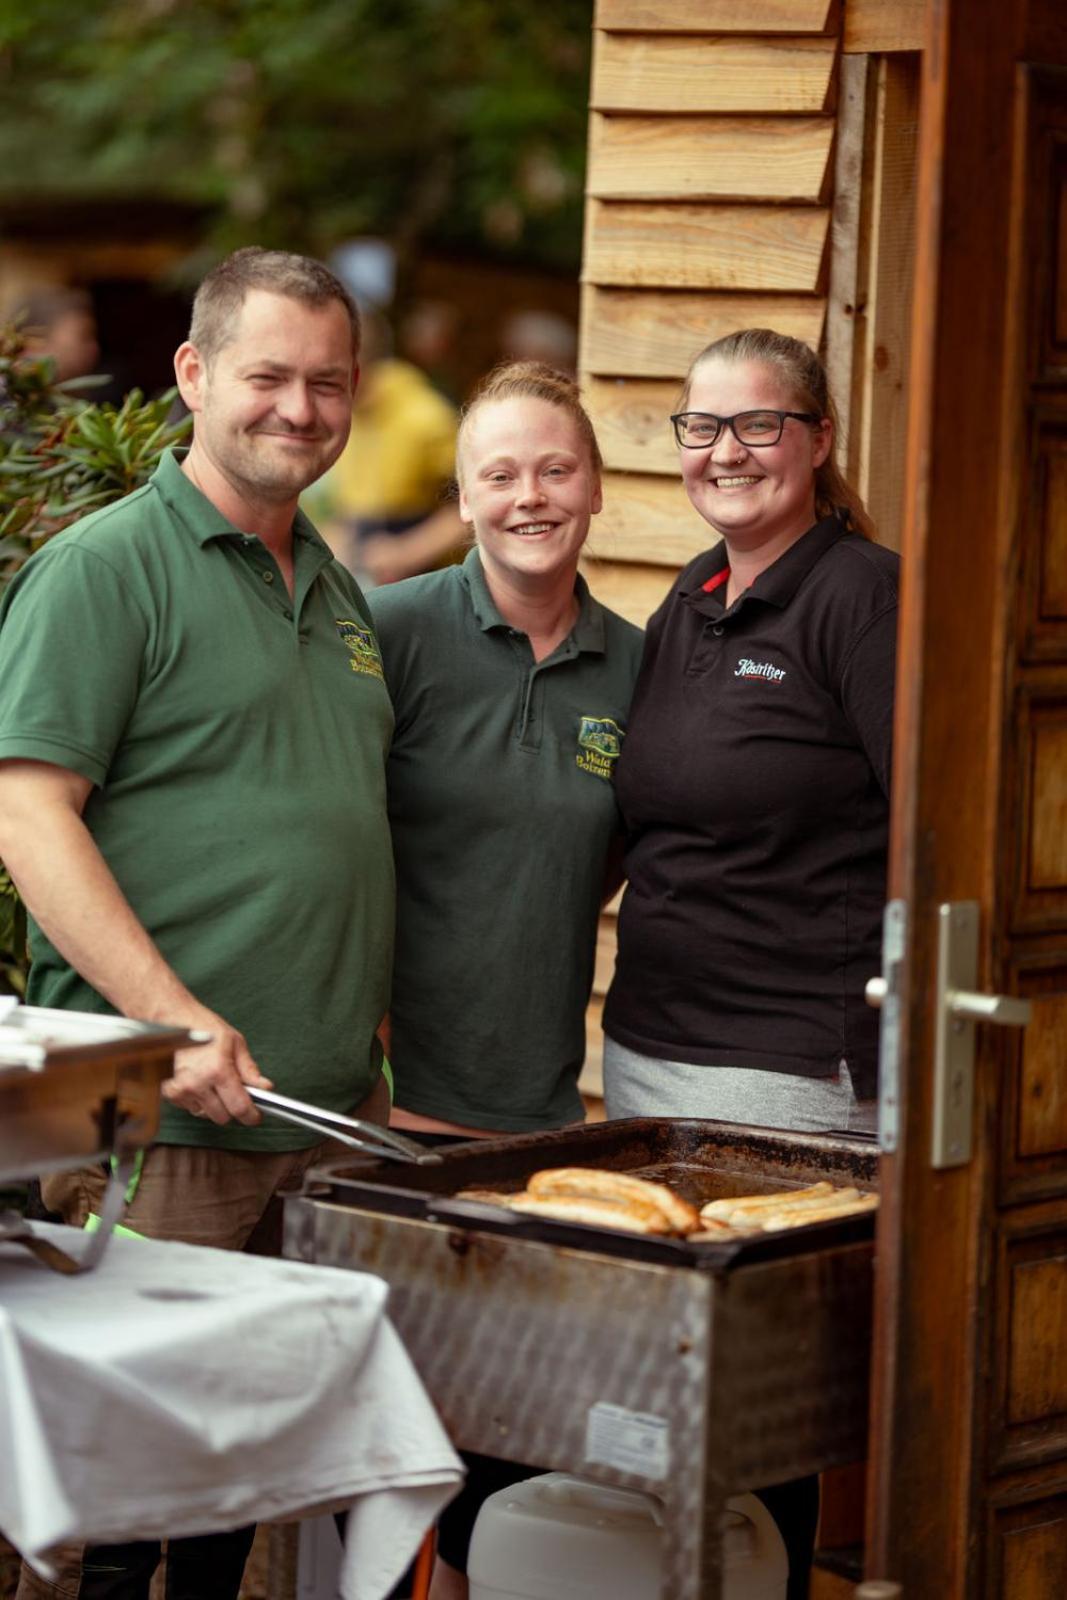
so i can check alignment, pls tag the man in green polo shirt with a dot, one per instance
(193, 731)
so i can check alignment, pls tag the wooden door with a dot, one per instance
(968, 1467)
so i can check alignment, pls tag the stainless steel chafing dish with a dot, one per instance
(692, 1371)
(76, 1087)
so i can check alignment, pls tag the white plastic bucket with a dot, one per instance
(557, 1537)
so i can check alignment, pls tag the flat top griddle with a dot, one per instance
(700, 1160)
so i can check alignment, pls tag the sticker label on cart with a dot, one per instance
(629, 1441)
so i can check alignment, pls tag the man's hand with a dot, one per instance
(209, 1079)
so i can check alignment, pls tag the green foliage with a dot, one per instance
(61, 456)
(303, 122)
(13, 960)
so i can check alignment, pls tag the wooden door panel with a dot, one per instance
(1029, 1551)
(1042, 1125)
(1041, 812)
(1049, 240)
(1028, 1419)
(1043, 586)
(1032, 1106)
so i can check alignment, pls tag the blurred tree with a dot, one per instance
(305, 122)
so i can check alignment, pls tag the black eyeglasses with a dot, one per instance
(696, 430)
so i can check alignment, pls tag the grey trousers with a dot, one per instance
(643, 1086)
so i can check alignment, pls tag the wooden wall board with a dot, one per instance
(647, 519)
(877, 27)
(886, 333)
(671, 73)
(591, 1081)
(709, 247)
(633, 589)
(709, 158)
(847, 293)
(650, 333)
(714, 16)
(605, 956)
(631, 418)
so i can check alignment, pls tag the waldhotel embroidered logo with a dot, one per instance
(600, 740)
(361, 646)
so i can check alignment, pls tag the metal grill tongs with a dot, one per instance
(366, 1137)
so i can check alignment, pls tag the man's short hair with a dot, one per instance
(220, 297)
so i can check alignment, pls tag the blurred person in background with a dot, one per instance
(534, 335)
(428, 338)
(385, 506)
(60, 322)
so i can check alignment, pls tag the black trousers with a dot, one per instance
(206, 1568)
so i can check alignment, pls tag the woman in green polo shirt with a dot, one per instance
(511, 687)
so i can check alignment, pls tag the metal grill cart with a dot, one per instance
(690, 1370)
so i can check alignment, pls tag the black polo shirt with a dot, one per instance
(754, 786)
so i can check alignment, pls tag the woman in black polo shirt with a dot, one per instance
(754, 783)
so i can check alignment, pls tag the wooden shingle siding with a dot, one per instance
(873, 26)
(631, 423)
(648, 333)
(716, 16)
(687, 72)
(716, 247)
(633, 590)
(651, 520)
(709, 158)
(709, 200)
(710, 185)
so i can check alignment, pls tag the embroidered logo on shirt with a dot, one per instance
(600, 740)
(746, 668)
(361, 646)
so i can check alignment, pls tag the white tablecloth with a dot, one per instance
(177, 1390)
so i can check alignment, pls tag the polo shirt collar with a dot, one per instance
(778, 584)
(202, 520)
(587, 633)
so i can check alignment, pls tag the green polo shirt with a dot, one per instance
(236, 738)
(503, 810)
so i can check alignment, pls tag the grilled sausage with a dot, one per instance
(620, 1188)
(630, 1216)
